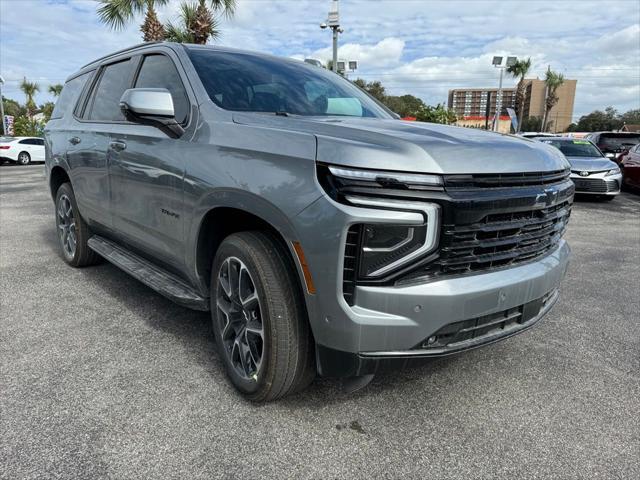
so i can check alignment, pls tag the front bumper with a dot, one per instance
(398, 317)
(335, 363)
(597, 183)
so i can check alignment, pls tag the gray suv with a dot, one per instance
(324, 235)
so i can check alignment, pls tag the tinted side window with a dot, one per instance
(158, 71)
(114, 80)
(69, 95)
(39, 141)
(26, 141)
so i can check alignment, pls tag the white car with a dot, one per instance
(22, 150)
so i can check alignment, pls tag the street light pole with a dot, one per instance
(4, 132)
(333, 22)
(335, 50)
(496, 120)
(497, 63)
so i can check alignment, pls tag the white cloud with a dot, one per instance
(420, 47)
(387, 52)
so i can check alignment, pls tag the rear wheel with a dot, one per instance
(24, 158)
(73, 232)
(259, 320)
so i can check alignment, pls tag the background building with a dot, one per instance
(561, 114)
(470, 104)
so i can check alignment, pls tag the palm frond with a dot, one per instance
(227, 7)
(178, 34)
(55, 89)
(29, 88)
(116, 13)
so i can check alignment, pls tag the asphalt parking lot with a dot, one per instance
(100, 377)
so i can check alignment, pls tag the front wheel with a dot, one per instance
(73, 232)
(259, 320)
(24, 158)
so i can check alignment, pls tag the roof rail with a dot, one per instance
(123, 51)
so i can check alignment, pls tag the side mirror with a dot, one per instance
(151, 106)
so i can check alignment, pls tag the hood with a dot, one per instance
(414, 146)
(591, 164)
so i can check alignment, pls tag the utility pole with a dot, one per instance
(333, 22)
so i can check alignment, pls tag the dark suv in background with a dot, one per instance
(323, 235)
(614, 144)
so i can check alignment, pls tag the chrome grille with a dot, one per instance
(595, 185)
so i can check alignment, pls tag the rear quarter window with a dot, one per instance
(69, 95)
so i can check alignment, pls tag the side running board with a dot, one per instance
(161, 281)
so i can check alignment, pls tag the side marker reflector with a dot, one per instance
(305, 268)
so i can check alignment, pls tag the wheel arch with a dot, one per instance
(57, 177)
(220, 222)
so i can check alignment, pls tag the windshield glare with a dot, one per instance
(246, 82)
(575, 148)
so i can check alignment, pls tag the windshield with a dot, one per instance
(6, 139)
(613, 140)
(575, 148)
(246, 82)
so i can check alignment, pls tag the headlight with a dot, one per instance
(384, 247)
(388, 178)
(388, 247)
(613, 171)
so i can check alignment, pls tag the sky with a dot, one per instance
(421, 47)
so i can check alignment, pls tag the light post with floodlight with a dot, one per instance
(333, 22)
(4, 132)
(497, 63)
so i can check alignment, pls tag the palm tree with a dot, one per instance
(184, 32)
(520, 69)
(117, 13)
(553, 80)
(55, 89)
(29, 89)
(204, 24)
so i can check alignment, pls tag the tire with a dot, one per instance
(72, 231)
(265, 321)
(24, 158)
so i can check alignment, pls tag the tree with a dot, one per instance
(47, 109)
(29, 89)
(520, 70)
(599, 120)
(197, 21)
(553, 80)
(13, 108)
(55, 89)
(117, 13)
(531, 124)
(631, 117)
(405, 105)
(437, 114)
(27, 127)
(375, 88)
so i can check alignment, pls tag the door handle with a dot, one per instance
(74, 140)
(117, 146)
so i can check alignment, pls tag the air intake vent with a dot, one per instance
(350, 267)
